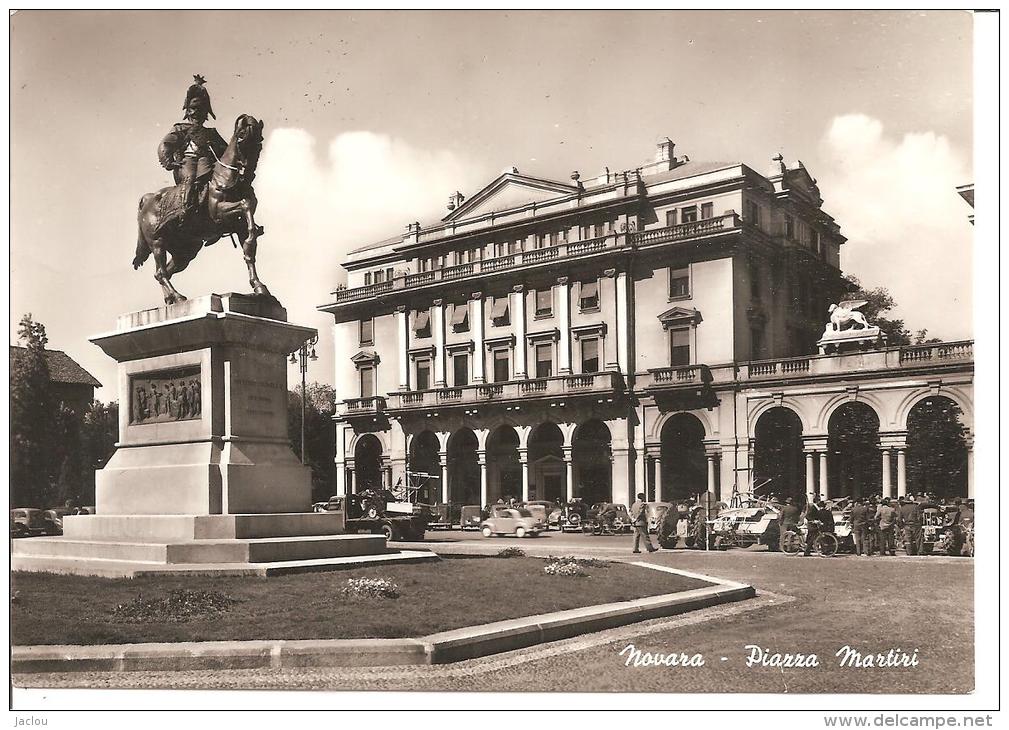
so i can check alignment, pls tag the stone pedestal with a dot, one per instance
(203, 411)
(850, 340)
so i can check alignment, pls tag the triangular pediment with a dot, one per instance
(799, 180)
(680, 316)
(365, 357)
(510, 190)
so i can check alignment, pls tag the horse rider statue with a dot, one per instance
(190, 151)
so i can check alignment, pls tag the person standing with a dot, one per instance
(887, 518)
(639, 517)
(812, 525)
(790, 516)
(860, 526)
(910, 517)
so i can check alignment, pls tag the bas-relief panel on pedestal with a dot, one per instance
(166, 395)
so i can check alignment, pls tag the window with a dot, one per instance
(707, 211)
(756, 274)
(460, 369)
(423, 265)
(590, 355)
(589, 296)
(789, 227)
(423, 374)
(460, 317)
(422, 324)
(515, 246)
(367, 278)
(679, 283)
(690, 214)
(756, 344)
(501, 368)
(544, 360)
(389, 274)
(679, 347)
(367, 331)
(753, 212)
(814, 239)
(499, 311)
(544, 302)
(599, 229)
(367, 382)
(671, 217)
(379, 276)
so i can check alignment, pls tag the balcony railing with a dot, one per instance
(938, 351)
(560, 385)
(362, 406)
(683, 231)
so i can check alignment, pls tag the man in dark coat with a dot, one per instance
(813, 524)
(790, 516)
(910, 517)
(860, 527)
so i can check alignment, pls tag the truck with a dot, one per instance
(374, 513)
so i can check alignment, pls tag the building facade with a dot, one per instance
(597, 338)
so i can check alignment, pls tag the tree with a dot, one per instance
(99, 435)
(33, 420)
(879, 303)
(320, 434)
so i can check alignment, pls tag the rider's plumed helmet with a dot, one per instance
(198, 91)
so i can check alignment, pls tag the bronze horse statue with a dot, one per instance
(229, 210)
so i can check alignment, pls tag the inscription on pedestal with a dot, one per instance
(262, 395)
(166, 395)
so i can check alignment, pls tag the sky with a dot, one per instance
(372, 119)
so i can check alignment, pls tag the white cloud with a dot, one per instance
(907, 228)
(315, 209)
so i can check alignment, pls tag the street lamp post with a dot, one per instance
(301, 356)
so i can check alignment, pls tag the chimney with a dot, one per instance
(665, 152)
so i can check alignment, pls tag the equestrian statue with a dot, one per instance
(212, 196)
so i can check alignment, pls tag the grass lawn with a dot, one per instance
(449, 594)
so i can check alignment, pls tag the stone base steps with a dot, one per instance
(108, 568)
(181, 528)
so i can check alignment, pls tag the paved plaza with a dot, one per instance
(804, 605)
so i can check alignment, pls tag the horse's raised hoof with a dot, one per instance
(260, 290)
(174, 299)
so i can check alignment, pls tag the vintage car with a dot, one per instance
(470, 517)
(54, 519)
(515, 521)
(573, 515)
(607, 518)
(935, 520)
(549, 511)
(32, 521)
(749, 521)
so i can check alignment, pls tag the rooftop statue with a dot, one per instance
(844, 314)
(212, 196)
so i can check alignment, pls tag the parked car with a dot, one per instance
(18, 529)
(753, 521)
(549, 511)
(470, 517)
(32, 520)
(572, 516)
(54, 519)
(607, 517)
(512, 521)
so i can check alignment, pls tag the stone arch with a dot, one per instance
(778, 452)
(918, 395)
(504, 469)
(684, 463)
(660, 423)
(797, 406)
(547, 469)
(937, 453)
(853, 454)
(866, 399)
(423, 456)
(382, 436)
(592, 461)
(368, 470)
(463, 467)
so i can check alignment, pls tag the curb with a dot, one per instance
(441, 648)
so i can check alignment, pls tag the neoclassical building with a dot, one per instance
(645, 330)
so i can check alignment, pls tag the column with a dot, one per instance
(823, 475)
(476, 327)
(524, 461)
(517, 308)
(569, 473)
(438, 327)
(481, 457)
(621, 477)
(403, 328)
(341, 462)
(902, 471)
(564, 317)
(623, 340)
(887, 486)
(810, 484)
(970, 468)
(443, 459)
(711, 474)
(658, 477)
(751, 450)
(351, 482)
